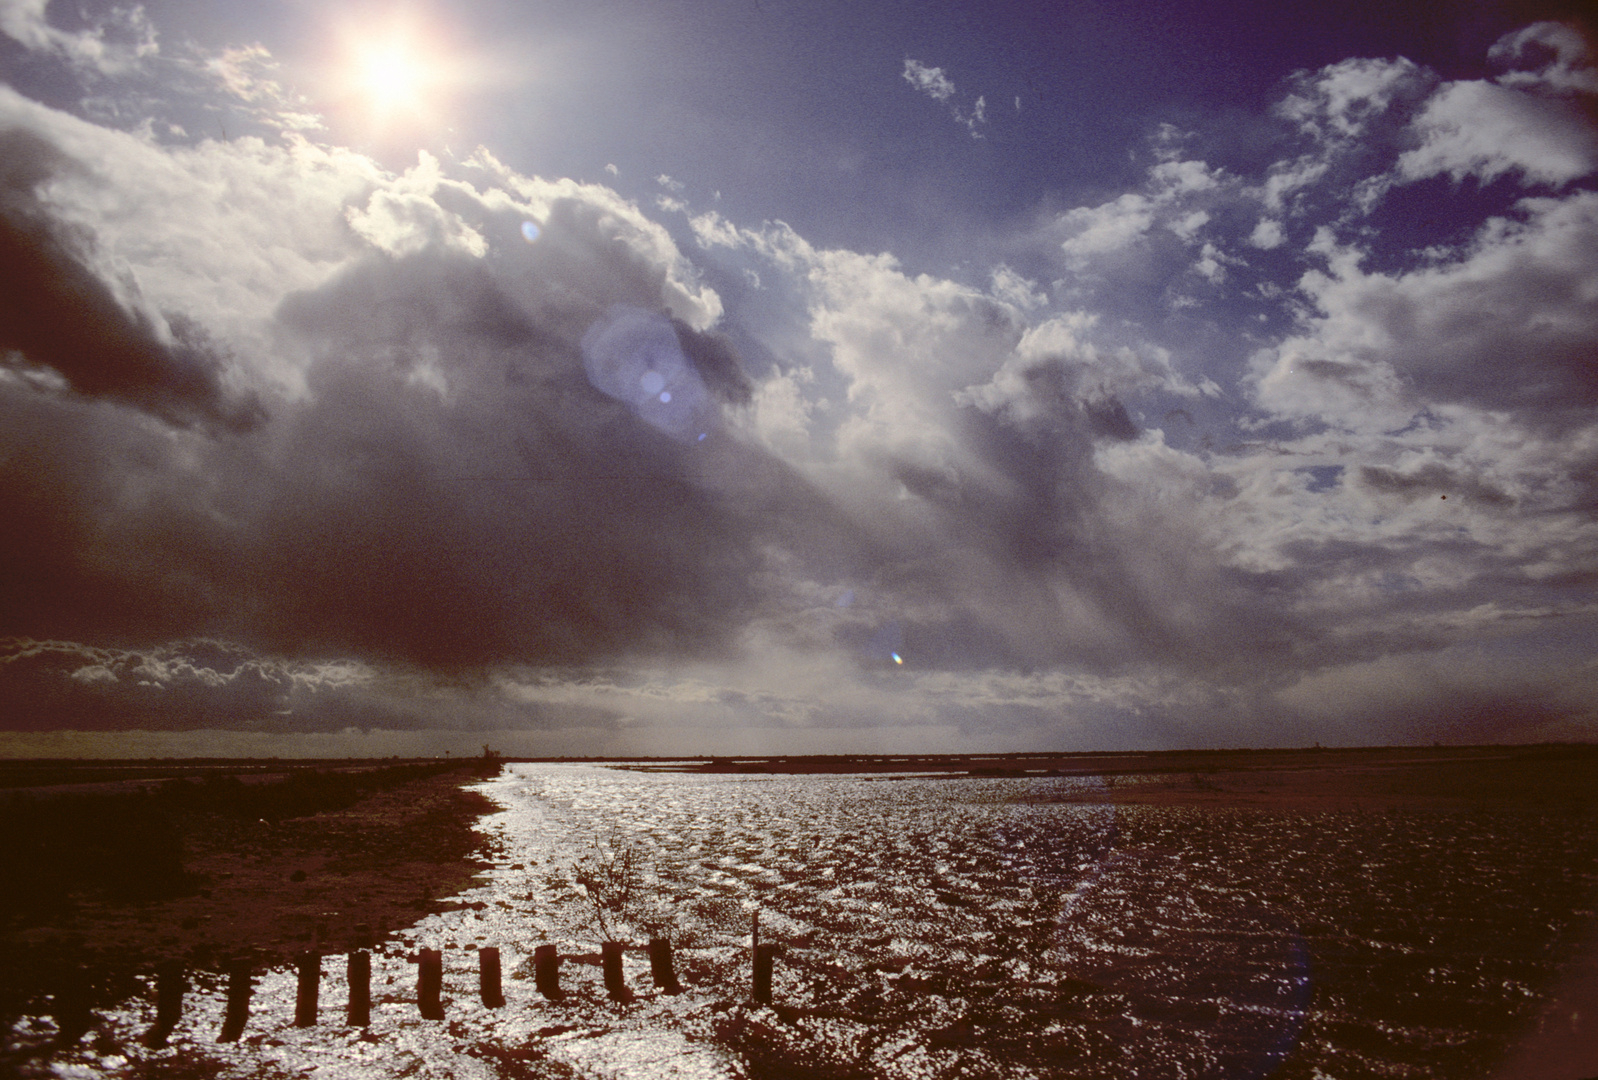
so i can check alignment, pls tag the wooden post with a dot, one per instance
(546, 971)
(610, 962)
(310, 988)
(430, 983)
(660, 966)
(168, 1002)
(360, 975)
(238, 1001)
(488, 976)
(71, 1007)
(764, 955)
(760, 958)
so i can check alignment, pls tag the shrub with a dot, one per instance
(613, 877)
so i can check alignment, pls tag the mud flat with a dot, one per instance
(1388, 913)
(1558, 776)
(109, 878)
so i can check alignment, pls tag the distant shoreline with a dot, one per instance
(1552, 776)
(1084, 761)
(1561, 775)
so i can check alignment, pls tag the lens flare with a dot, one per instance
(634, 356)
(530, 231)
(885, 643)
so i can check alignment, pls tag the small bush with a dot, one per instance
(613, 877)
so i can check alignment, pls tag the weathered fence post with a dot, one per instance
(660, 965)
(610, 962)
(70, 1007)
(764, 955)
(546, 971)
(488, 976)
(168, 1002)
(238, 1001)
(360, 975)
(430, 983)
(310, 987)
(761, 956)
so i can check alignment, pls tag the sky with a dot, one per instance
(769, 377)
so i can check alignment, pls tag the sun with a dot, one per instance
(394, 78)
(393, 73)
(390, 76)
(399, 73)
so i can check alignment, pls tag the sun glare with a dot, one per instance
(395, 74)
(394, 79)
(389, 76)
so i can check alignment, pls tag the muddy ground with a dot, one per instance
(1559, 776)
(210, 870)
(104, 887)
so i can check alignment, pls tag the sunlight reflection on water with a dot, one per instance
(977, 926)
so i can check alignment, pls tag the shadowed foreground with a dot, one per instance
(104, 885)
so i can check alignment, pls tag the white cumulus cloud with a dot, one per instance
(929, 80)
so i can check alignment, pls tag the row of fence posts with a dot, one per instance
(170, 984)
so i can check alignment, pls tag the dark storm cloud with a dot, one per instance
(1024, 570)
(1434, 480)
(716, 361)
(451, 491)
(58, 312)
(1127, 582)
(103, 533)
(470, 502)
(440, 490)
(459, 490)
(1108, 417)
(1519, 687)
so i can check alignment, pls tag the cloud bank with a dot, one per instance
(294, 444)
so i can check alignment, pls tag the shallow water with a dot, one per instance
(964, 927)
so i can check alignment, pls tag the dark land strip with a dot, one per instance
(1560, 776)
(103, 884)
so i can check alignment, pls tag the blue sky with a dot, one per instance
(673, 378)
